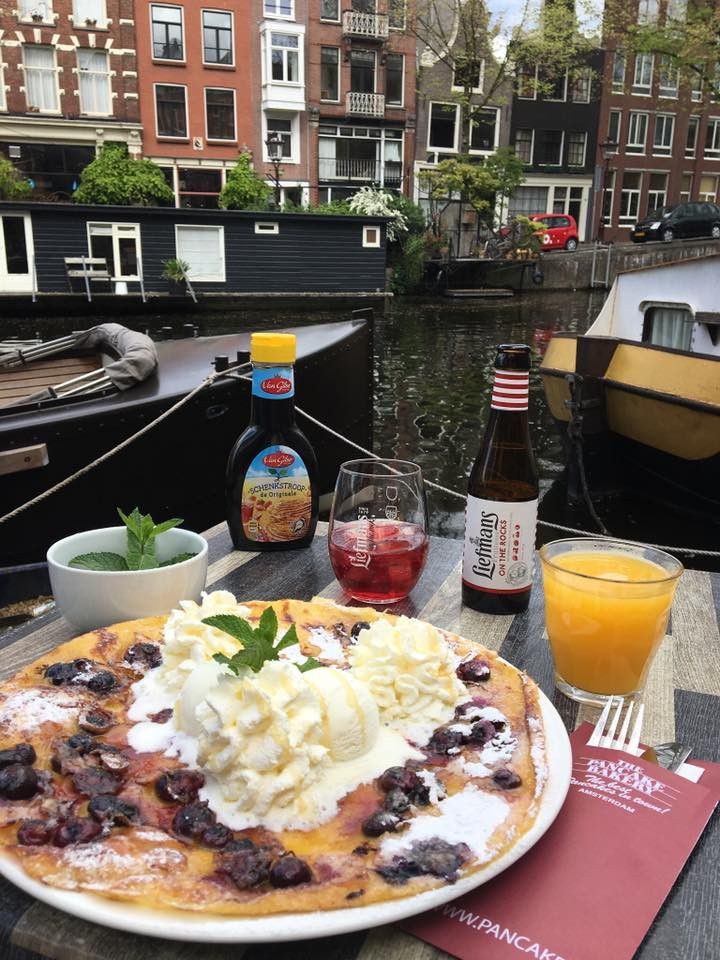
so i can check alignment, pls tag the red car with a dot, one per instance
(562, 232)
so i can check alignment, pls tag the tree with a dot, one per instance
(244, 189)
(115, 178)
(12, 186)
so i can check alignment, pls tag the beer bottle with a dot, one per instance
(271, 484)
(501, 512)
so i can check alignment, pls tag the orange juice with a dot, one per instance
(606, 614)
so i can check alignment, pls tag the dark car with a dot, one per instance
(677, 221)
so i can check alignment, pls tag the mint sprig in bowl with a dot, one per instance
(141, 569)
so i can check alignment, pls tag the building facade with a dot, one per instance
(68, 84)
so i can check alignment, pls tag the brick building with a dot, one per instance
(68, 84)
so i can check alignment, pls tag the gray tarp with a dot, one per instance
(136, 354)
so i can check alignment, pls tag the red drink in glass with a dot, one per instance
(378, 561)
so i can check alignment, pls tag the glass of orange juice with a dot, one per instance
(606, 609)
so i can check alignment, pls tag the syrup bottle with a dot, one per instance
(271, 484)
(501, 513)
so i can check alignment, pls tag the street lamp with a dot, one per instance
(609, 149)
(274, 144)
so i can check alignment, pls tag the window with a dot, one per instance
(203, 248)
(608, 194)
(371, 237)
(668, 327)
(669, 78)
(524, 145)
(618, 74)
(642, 78)
(170, 110)
(220, 113)
(89, 10)
(329, 9)
(217, 37)
(41, 87)
(685, 187)
(167, 32)
(555, 86)
(637, 132)
(648, 11)
(443, 123)
(27, 9)
(269, 228)
(663, 137)
(362, 71)
(397, 12)
(657, 191)
(483, 130)
(676, 10)
(614, 124)
(576, 146)
(284, 57)
(468, 75)
(279, 8)
(548, 150)
(199, 187)
(118, 244)
(330, 73)
(630, 195)
(94, 82)
(581, 87)
(528, 200)
(283, 127)
(708, 189)
(394, 70)
(696, 85)
(527, 82)
(712, 138)
(691, 140)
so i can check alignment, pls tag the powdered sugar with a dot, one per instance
(94, 859)
(436, 788)
(27, 710)
(495, 752)
(537, 752)
(330, 646)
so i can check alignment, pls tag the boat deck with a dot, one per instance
(19, 382)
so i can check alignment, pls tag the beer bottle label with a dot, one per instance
(276, 496)
(273, 383)
(499, 545)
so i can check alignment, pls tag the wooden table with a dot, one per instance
(682, 701)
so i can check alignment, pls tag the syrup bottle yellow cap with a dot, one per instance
(273, 347)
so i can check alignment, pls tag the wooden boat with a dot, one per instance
(178, 467)
(639, 394)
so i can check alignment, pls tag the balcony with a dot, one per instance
(369, 26)
(365, 104)
(361, 170)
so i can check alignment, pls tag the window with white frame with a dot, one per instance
(527, 200)
(607, 197)
(555, 86)
(648, 11)
(2, 84)
(614, 126)
(330, 10)
(581, 87)
(371, 236)
(394, 79)
(527, 80)
(708, 189)
(119, 245)
(41, 87)
(397, 14)
(576, 148)
(676, 10)
(696, 84)
(484, 128)
(618, 74)
(668, 77)
(468, 75)
(203, 249)
(712, 138)
(642, 78)
(171, 110)
(220, 113)
(89, 13)
(637, 132)
(362, 71)
(442, 128)
(167, 32)
(548, 148)
(282, 127)
(657, 191)
(524, 145)
(691, 140)
(282, 9)
(218, 37)
(663, 136)
(38, 10)
(685, 187)
(630, 195)
(330, 73)
(284, 57)
(94, 82)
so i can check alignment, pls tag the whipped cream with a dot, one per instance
(410, 671)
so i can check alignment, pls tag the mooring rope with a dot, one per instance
(236, 372)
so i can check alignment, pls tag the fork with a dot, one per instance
(602, 735)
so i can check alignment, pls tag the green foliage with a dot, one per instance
(173, 269)
(334, 207)
(258, 645)
(140, 555)
(409, 269)
(459, 179)
(115, 178)
(244, 189)
(415, 216)
(526, 234)
(12, 186)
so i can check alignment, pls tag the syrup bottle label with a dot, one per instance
(276, 496)
(499, 545)
(273, 383)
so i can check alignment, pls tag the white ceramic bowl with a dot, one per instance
(96, 598)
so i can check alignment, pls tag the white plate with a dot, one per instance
(175, 925)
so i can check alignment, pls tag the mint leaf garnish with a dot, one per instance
(259, 644)
(178, 558)
(99, 561)
(141, 533)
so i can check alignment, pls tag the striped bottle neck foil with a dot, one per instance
(510, 390)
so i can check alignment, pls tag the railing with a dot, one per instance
(365, 104)
(368, 25)
(365, 170)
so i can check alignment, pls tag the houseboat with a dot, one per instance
(637, 398)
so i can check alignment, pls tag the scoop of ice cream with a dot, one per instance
(410, 671)
(350, 715)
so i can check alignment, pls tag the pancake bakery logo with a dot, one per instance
(623, 784)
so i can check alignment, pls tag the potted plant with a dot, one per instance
(90, 23)
(37, 17)
(175, 271)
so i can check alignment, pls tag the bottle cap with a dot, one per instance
(512, 356)
(273, 347)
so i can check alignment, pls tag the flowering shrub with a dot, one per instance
(370, 202)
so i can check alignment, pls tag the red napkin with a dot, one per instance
(590, 888)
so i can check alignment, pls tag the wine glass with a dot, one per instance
(378, 529)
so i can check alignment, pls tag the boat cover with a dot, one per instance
(135, 356)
